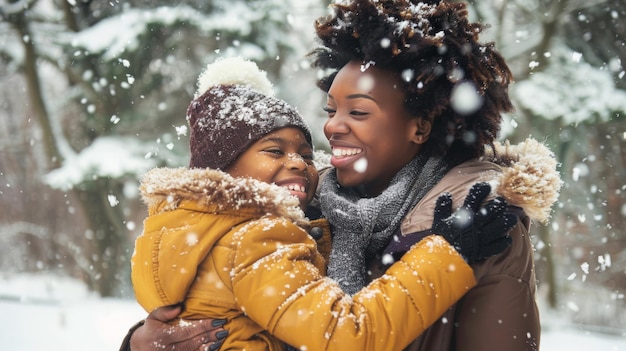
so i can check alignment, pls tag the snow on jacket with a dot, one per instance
(500, 312)
(231, 248)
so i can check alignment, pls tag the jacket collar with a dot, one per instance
(163, 189)
(524, 174)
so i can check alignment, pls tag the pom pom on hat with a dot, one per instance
(235, 71)
(234, 107)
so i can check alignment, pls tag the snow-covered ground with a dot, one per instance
(58, 314)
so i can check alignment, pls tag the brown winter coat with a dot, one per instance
(230, 248)
(500, 313)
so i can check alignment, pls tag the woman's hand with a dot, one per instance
(155, 334)
(475, 232)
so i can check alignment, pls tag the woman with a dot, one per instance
(401, 137)
(403, 65)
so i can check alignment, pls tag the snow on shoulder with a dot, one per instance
(235, 71)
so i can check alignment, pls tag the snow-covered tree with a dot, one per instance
(108, 84)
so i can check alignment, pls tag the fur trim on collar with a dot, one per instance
(529, 179)
(167, 187)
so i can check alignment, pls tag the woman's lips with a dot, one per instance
(342, 156)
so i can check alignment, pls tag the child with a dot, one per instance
(227, 236)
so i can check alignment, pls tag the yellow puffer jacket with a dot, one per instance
(236, 249)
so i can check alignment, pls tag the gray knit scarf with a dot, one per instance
(362, 226)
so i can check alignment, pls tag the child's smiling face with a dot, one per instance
(283, 157)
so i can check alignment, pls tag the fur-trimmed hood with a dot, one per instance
(524, 174)
(162, 189)
(529, 176)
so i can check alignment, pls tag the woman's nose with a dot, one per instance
(335, 125)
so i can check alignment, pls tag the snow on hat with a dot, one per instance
(234, 107)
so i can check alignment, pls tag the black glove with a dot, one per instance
(476, 233)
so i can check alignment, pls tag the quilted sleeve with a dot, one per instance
(277, 283)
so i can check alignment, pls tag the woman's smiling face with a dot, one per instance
(370, 133)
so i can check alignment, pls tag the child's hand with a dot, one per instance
(475, 232)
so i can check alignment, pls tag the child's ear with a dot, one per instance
(420, 130)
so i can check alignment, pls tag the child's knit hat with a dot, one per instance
(233, 108)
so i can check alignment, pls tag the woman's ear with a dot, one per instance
(420, 131)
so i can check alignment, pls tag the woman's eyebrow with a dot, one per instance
(360, 96)
(355, 96)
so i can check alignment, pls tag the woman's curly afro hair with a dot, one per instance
(433, 47)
